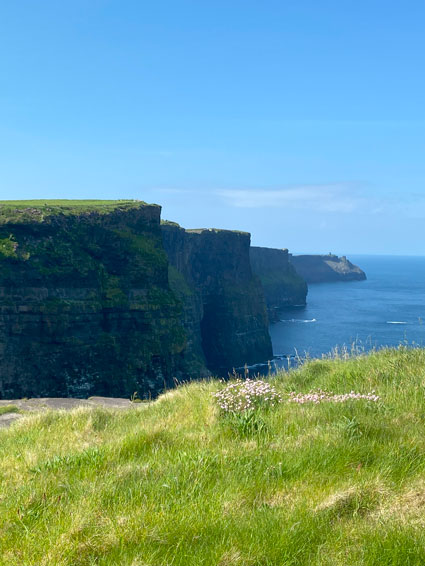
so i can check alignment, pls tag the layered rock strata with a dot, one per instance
(85, 303)
(211, 274)
(90, 304)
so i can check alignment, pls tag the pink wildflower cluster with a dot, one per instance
(246, 395)
(320, 396)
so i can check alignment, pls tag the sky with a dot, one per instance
(302, 122)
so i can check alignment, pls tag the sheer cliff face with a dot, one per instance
(213, 271)
(85, 304)
(326, 268)
(282, 285)
(89, 303)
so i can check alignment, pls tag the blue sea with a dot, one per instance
(388, 309)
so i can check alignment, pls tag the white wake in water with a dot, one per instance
(297, 320)
(396, 322)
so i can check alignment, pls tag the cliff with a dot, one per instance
(91, 305)
(281, 283)
(85, 303)
(211, 274)
(326, 268)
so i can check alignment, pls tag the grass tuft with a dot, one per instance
(8, 409)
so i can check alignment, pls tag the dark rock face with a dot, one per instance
(282, 285)
(90, 304)
(326, 268)
(183, 285)
(213, 278)
(85, 304)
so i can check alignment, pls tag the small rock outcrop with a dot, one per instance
(282, 285)
(326, 268)
(210, 272)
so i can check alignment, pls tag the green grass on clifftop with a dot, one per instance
(172, 483)
(69, 203)
(31, 209)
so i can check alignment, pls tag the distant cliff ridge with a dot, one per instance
(211, 274)
(326, 268)
(282, 285)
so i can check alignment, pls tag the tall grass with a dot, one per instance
(173, 483)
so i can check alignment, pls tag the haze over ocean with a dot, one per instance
(388, 309)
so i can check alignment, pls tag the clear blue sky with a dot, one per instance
(301, 122)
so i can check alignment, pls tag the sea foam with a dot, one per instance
(298, 320)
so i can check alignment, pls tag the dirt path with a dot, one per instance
(64, 403)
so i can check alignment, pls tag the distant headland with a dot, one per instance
(326, 268)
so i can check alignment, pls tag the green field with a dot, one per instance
(89, 204)
(176, 482)
(11, 210)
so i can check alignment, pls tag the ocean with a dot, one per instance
(388, 309)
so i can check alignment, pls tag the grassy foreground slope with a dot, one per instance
(173, 483)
